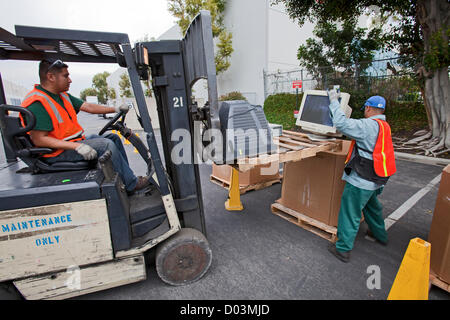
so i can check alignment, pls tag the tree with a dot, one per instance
(99, 89)
(101, 86)
(125, 86)
(186, 10)
(87, 92)
(420, 33)
(339, 48)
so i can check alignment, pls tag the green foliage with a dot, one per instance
(326, 10)
(88, 92)
(403, 33)
(101, 86)
(112, 93)
(438, 56)
(224, 51)
(125, 86)
(279, 109)
(339, 48)
(99, 89)
(393, 89)
(187, 10)
(402, 116)
(234, 95)
(406, 116)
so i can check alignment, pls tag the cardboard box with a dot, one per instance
(259, 174)
(439, 236)
(313, 186)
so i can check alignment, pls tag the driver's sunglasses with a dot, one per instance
(57, 63)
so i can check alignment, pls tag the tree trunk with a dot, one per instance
(433, 16)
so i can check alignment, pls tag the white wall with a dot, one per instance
(14, 92)
(264, 38)
(284, 38)
(247, 21)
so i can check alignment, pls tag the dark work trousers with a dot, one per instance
(354, 201)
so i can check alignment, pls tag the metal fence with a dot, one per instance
(387, 77)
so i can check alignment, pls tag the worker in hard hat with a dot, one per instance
(369, 164)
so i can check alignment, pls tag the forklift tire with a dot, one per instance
(184, 258)
(8, 291)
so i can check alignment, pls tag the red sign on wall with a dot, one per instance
(296, 84)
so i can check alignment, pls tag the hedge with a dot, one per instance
(279, 109)
(402, 116)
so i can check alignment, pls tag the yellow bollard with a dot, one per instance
(234, 195)
(413, 276)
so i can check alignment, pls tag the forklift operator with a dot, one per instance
(57, 126)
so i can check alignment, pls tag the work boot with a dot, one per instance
(341, 255)
(370, 234)
(141, 183)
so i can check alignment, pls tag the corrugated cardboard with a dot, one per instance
(314, 187)
(439, 236)
(259, 174)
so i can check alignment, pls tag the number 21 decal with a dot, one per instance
(177, 102)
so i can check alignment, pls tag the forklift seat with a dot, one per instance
(17, 138)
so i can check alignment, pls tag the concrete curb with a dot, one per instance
(422, 159)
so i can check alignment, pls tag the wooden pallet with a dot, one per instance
(243, 189)
(319, 228)
(434, 280)
(292, 146)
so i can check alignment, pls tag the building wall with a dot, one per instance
(284, 38)
(14, 92)
(247, 21)
(264, 39)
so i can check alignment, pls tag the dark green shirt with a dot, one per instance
(43, 120)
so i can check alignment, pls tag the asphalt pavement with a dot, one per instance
(260, 256)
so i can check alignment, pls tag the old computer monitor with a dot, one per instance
(314, 113)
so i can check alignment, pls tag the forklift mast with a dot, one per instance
(175, 66)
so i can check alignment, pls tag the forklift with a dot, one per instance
(70, 229)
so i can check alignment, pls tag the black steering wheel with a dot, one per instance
(111, 122)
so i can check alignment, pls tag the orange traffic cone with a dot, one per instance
(412, 280)
(234, 195)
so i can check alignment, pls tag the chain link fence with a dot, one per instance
(386, 77)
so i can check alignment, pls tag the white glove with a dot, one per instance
(333, 94)
(86, 151)
(124, 108)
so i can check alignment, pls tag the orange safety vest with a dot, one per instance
(383, 153)
(64, 120)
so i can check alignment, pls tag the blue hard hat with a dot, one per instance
(376, 102)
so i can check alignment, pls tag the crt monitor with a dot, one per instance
(314, 113)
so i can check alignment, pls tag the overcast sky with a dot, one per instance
(137, 18)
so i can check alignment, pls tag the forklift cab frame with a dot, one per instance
(135, 223)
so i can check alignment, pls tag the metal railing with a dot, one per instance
(387, 77)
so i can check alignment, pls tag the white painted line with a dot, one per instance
(400, 212)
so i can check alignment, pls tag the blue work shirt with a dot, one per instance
(365, 132)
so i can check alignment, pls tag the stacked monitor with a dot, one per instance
(314, 114)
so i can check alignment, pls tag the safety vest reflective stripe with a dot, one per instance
(66, 96)
(76, 135)
(382, 146)
(63, 117)
(50, 102)
(383, 155)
